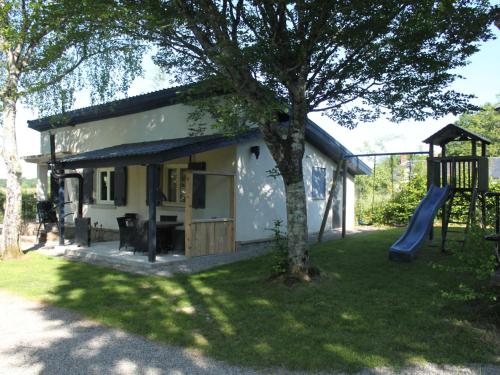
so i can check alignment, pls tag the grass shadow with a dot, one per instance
(366, 312)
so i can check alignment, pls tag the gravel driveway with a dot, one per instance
(40, 339)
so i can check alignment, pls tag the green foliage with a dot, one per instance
(400, 208)
(396, 58)
(28, 205)
(484, 122)
(279, 251)
(61, 46)
(392, 193)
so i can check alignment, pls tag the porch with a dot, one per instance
(191, 179)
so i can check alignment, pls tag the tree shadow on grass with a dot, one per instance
(367, 312)
(70, 345)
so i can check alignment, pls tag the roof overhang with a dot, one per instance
(451, 133)
(153, 152)
(44, 158)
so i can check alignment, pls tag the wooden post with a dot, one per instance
(232, 211)
(474, 148)
(430, 169)
(444, 170)
(152, 176)
(344, 198)
(483, 149)
(61, 209)
(430, 179)
(188, 214)
(330, 199)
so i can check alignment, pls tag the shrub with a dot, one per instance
(399, 209)
(28, 205)
(279, 250)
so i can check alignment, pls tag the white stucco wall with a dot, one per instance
(261, 199)
(163, 123)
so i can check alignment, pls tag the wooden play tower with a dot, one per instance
(466, 176)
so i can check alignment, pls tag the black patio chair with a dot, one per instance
(46, 213)
(168, 218)
(128, 232)
(132, 216)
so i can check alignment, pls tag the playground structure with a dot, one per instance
(448, 178)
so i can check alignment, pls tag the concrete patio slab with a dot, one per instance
(108, 252)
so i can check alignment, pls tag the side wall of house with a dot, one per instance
(260, 199)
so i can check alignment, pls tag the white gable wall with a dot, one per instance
(162, 123)
(261, 199)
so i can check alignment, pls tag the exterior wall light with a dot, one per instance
(255, 150)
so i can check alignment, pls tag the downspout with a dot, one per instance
(61, 176)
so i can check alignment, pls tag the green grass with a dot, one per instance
(366, 312)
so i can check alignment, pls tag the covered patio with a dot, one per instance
(205, 232)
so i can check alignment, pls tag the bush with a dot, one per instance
(28, 205)
(279, 251)
(399, 209)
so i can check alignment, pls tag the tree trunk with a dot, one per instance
(296, 214)
(10, 247)
(288, 153)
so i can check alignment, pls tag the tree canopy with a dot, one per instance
(54, 48)
(484, 122)
(49, 49)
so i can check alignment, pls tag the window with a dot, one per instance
(318, 183)
(175, 183)
(106, 186)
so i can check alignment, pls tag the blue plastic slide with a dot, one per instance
(420, 225)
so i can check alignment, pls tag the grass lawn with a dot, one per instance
(366, 312)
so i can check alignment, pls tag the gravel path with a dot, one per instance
(40, 339)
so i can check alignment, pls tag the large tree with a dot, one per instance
(48, 49)
(355, 61)
(485, 122)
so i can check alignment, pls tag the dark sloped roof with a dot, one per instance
(150, 152)
(121, 107)
(161, 149)
(333, 148)
(452, 132)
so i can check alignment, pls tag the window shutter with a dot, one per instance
(88, 185)
(120, 186)
(199, 184)
(159, 192)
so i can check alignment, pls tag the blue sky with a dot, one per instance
(481, 78)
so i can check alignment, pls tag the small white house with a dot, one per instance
(217, 186)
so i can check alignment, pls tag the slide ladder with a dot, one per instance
(462, 230)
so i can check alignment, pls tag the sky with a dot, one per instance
(480, 78)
